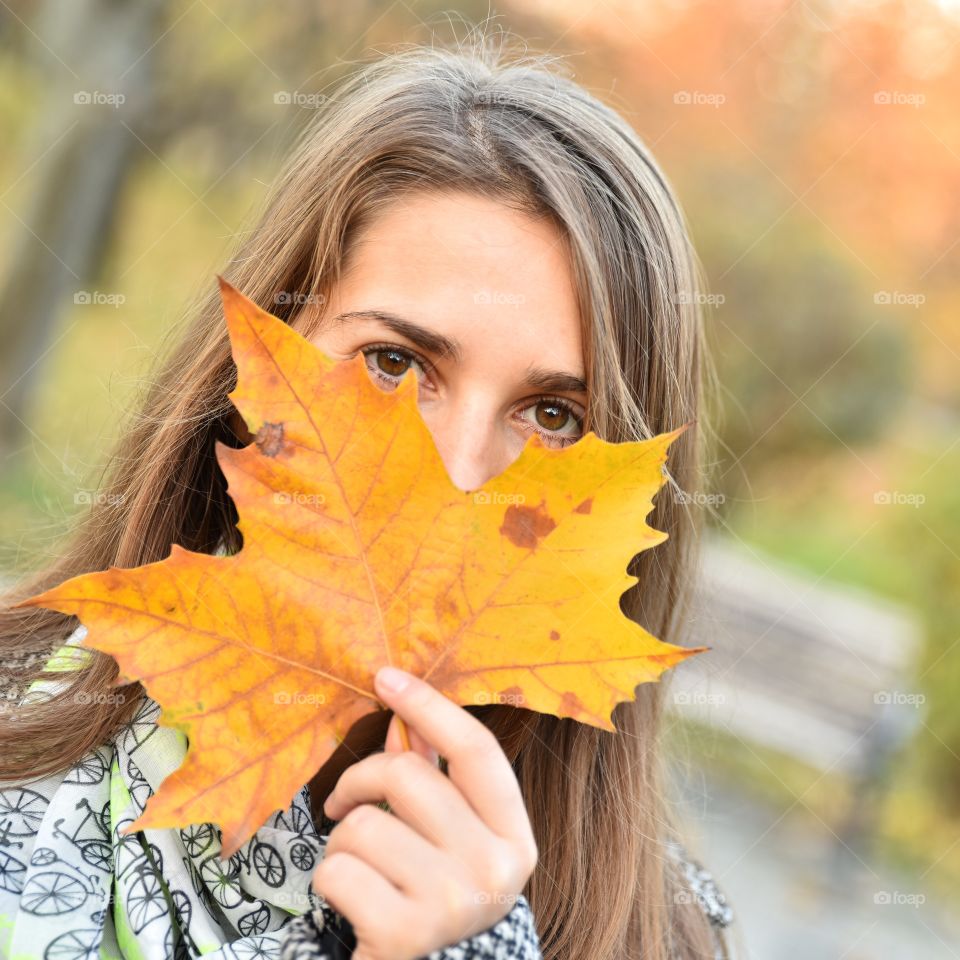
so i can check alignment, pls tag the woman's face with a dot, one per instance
(479, 300)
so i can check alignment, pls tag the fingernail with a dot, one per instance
(392, 679)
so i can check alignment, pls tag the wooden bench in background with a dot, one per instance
(819, 672)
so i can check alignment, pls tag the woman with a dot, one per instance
(491, 225)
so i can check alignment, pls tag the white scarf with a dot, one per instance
(72, 887)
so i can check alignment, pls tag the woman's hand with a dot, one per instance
(450, 859)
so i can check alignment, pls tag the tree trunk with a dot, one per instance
(81, 152)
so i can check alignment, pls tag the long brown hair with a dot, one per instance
(516, 128)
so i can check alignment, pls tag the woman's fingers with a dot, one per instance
(376, 909)
(453, 849)
(418, 793)
(475, 761)
(389, 845)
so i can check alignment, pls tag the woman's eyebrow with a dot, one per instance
(443, 346)
(554, 380)
(430, 340)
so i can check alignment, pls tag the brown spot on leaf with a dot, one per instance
(554, 635)
(570, 705)
(526, 526)
(584, 506)
(444, 606)
(270, 439)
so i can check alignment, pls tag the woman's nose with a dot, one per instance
(471, 446)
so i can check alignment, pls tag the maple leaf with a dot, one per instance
(358, 551)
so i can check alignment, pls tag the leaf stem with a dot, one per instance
(404, 736)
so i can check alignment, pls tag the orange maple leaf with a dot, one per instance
(358, 551)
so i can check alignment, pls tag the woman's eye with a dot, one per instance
(389, 364)
(555, 420)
